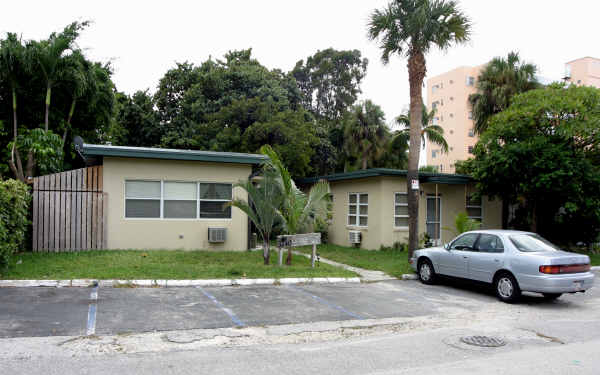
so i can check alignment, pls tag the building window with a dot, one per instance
(451, 81)
(452, 115)
(434, 88)
(470, 81)
(441, 167)
(180, 200)
(470, 115)
(435, 104)
(401, 210)
(358, 209)
(451, 131)
(177, 200)
(142, 199)
(436, 120)
(473, 206)
(470, 149)
(451, 98)
(451, 148)
(471, 133)
(434, 153)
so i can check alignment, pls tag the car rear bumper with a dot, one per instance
(569, 283)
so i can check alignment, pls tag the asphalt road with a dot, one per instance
(220, 331)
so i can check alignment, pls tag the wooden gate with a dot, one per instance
(69, 211)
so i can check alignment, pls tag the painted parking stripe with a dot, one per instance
(91, 320)
(327, 303)
(227, 311)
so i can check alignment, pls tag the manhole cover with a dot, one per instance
(485, 341)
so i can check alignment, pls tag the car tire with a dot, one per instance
(426, 272)
(507, 288)
(551, 296)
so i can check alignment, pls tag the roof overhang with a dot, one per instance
(90, 150)
(424, 177)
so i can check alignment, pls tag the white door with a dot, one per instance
(433, 219)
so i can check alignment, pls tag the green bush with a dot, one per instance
(14, 209)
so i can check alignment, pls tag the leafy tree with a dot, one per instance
(429, 169)
(138, 120)
(365, 132)
(462, 224)
(411, 28)
(434, 133)
(543, 154)
(498, 82)
(330, 81)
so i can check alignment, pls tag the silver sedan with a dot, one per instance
(512, 261)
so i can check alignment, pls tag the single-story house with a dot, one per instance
(168, 199)
(370, 206)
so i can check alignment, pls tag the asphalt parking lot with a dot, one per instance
(33, 312)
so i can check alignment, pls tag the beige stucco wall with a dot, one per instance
(380, 229)
(585, 71)
(165, 233)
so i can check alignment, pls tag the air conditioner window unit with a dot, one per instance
(355, 236)
(217, 235)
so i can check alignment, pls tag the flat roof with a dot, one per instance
(171, 154)
(424, 177)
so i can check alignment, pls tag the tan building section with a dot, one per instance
(381, 228)
(189, 234)
(448, 93)
(168, 199)
(583, 72)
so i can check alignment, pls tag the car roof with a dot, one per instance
(500, 231)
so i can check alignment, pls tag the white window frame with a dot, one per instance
(401, 205)
(439, 221)
(357, 215)
(480, 206)
(162, 200)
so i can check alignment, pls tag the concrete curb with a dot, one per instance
(596, 268)
(173, 283)
(410, 276)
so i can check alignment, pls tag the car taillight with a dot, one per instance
(570, 268)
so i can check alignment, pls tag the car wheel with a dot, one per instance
(551, 296)
(507, 288)
(426, 272)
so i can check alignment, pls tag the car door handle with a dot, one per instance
(464, 256)
(496, 260)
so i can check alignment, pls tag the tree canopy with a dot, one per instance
(543, 154)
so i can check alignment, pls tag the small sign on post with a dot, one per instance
(414, 184)
(295, 240)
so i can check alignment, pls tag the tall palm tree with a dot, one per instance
(50, 56)
(434, 133)
(498, 82)
(410, 28)
(365, 132)
(12, 63)
(299, 211)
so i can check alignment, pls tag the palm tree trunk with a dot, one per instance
(416, 74)
(71, 111)
(48, 94)
(15, 163)
(364, 162)
(288, 260)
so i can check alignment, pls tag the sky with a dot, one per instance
(143, 39)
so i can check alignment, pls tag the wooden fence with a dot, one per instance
(69, 211)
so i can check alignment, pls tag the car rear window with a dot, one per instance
(532, 243)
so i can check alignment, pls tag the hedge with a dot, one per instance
(14, 209)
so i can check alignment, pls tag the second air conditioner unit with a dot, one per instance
(355, 236)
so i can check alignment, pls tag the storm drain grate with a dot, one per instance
(485, 341)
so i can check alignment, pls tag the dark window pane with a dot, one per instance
(135, 208)
(401, 210)
(214, 210)
(402, 198)
(474, 212)
(352, 198)
(401, 222)
(362, 221)
(180, 209)
(352, 210)
(215, 191)
(351, 220)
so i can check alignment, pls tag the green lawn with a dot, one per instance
(595, 259)
(392, 262)
(158, 265)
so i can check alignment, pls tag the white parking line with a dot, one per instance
(227, 311)
(91, 320)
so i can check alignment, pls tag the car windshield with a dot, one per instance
(532, 243)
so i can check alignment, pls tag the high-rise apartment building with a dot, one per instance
(449, 94)
(584, 71)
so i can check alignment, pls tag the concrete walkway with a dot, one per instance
(365, 275)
